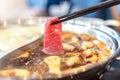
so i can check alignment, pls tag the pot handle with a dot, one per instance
(114, 24)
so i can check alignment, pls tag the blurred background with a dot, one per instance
(12, 9)
(21, 9)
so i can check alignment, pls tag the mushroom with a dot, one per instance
(92, 59)
(72, 60)
(15, 72)
(85, 37)
(67, 35)
(68, 47)
(99, 43)
(74, 41)
(53, 63)
(86, 44)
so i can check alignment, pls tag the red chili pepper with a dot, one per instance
(53, 37)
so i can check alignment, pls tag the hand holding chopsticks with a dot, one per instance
(100, 6)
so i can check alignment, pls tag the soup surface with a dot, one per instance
(79, 50)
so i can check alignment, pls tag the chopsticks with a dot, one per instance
(99, 6)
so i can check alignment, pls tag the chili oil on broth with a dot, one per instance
(79, 50)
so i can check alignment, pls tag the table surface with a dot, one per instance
(114, 72)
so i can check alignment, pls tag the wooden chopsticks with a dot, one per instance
(99, 6)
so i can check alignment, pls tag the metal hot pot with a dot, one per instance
(82, 25)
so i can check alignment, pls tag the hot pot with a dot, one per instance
(110, 37)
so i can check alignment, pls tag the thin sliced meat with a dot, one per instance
(53, 37)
